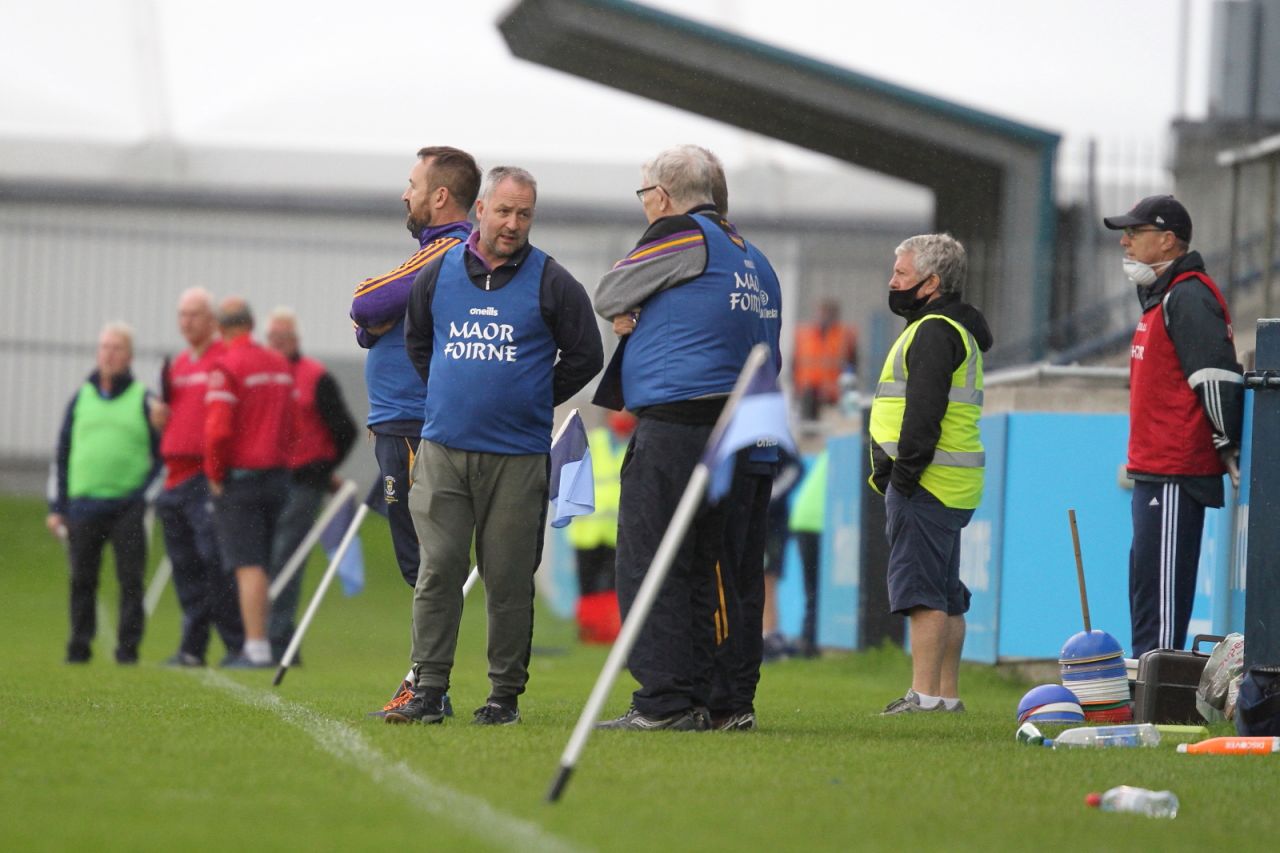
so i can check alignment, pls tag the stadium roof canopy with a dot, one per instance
(992, 178)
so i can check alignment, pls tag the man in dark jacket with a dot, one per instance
(323, 433)
(1186, 405)
(501, 334)
(108, 451)
(927, 459)
(689, 301)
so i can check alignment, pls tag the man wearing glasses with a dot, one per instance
(689, 302)
(1186, 403)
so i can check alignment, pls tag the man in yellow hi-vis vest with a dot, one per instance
(927, 459)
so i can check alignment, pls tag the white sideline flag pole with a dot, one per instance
(314, 605)
(299, 556)
(164, 569)
(291, 652)
(648, 591)
(159, 580)
(471, 580)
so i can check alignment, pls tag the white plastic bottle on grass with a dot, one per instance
(1124, 798)
(1138, 734)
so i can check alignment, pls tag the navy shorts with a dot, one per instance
(924, 553)
(247, 513)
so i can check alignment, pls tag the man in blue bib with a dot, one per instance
(501, 334)
(690, 301)
(443, 185)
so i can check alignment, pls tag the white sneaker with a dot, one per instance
(909, 704)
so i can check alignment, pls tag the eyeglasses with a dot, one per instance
(1132, 232)
(640, 192)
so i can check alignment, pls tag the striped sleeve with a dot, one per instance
(672, 252)
(382, 299)
(680, 242)
(1206, 352)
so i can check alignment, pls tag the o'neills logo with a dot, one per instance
(484, 312)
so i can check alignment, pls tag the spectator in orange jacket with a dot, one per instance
(824, 349)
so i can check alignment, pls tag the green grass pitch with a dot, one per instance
(102, 757)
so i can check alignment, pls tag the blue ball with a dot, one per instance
(1050, 703)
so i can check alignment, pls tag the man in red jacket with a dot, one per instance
(1186, 408)
(247, 427)
(323, 433)
(205, 592)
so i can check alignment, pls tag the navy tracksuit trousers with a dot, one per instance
(390, 497)
(1167, 526)
(206, 592)
(740, 573)
(672, 658)
(120, 523)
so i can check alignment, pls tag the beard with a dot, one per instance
(417, 226)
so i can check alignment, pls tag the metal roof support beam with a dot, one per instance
(992, 178)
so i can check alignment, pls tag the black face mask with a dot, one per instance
(905, 302)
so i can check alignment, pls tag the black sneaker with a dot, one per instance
(402, 694)
(688, 720)
(496, 714)
(127, 657)
(183, 659)
(738, 721)
(425, 705)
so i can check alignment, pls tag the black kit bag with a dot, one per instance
(1258, 704)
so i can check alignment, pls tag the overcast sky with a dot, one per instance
(388, 76)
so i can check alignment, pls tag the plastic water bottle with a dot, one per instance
(1028, 735)
(1139, 734)
(1136, 801)
(1233, 746)
(848, 385)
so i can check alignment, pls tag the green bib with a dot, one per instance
(808, 509)
(110, 444)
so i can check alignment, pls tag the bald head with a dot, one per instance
(196, 319)
(282, 332)
(234, 317)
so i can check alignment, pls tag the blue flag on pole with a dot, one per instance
(351, 569)
(760, 419)
(573, 484)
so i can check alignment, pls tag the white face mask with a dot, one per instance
(1143, 275)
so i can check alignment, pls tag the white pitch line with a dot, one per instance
(468, 813)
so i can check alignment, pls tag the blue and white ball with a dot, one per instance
(1050, 703)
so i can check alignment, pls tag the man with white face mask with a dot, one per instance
(1186, 404)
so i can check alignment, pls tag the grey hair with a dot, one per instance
(498, 174)
(121, 330)
(719, 185)
(938, 254)
(687, 173)
(198, 294)
(284, 312)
